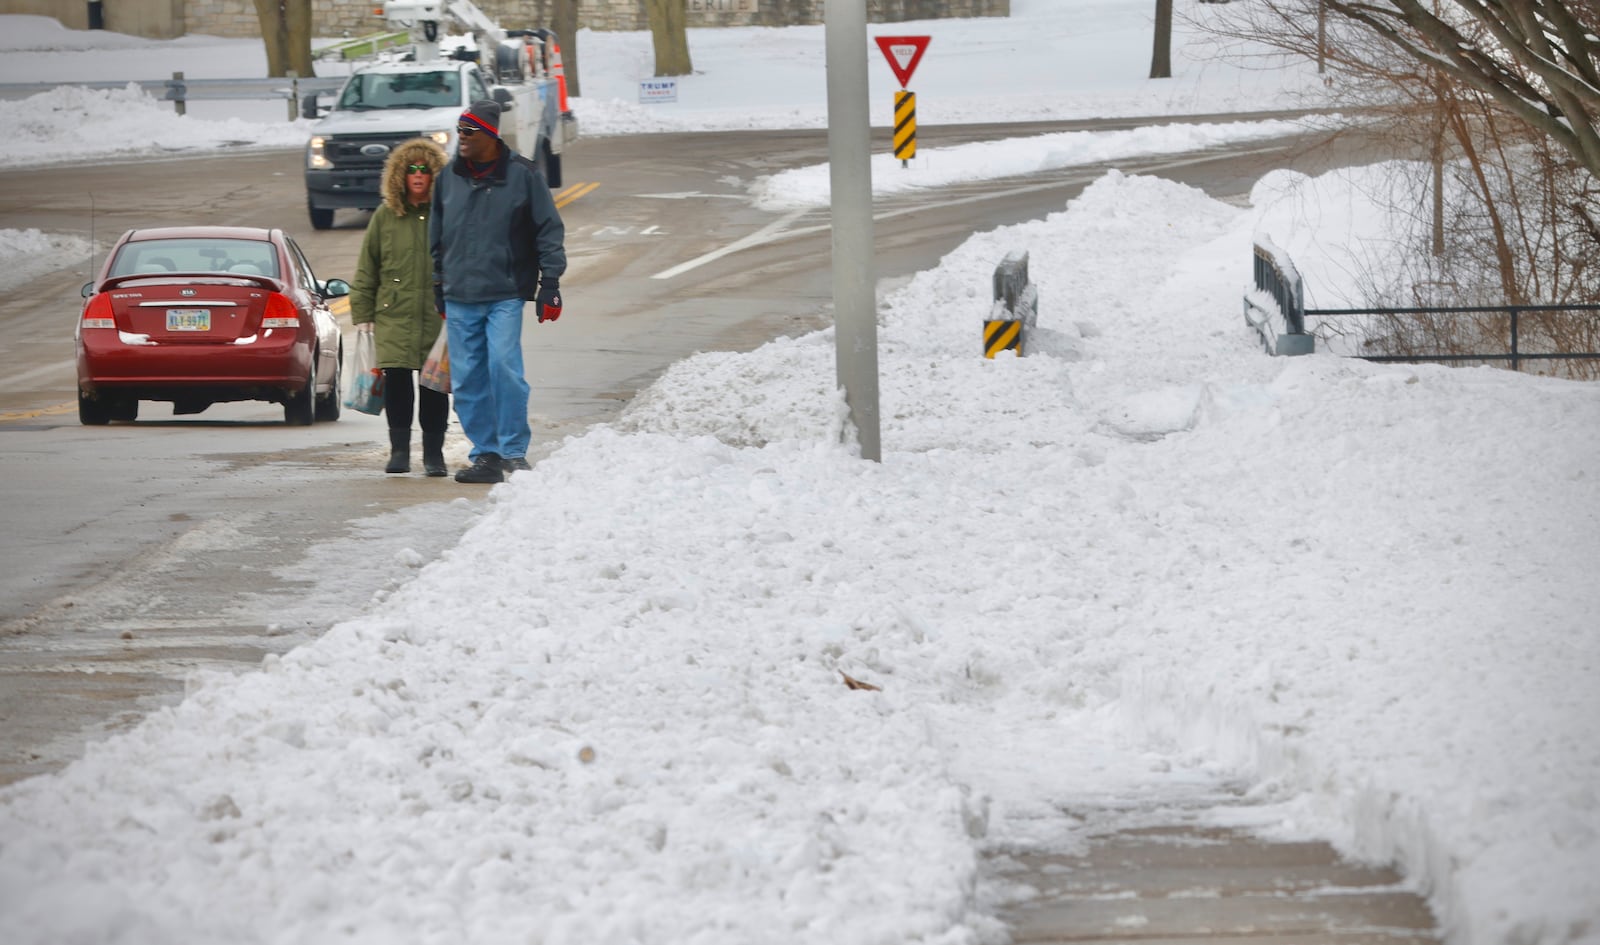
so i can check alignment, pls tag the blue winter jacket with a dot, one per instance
(493, 237)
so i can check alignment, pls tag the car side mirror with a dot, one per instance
(308, 106)
(503, 96)
(335, 288)
(88, 289)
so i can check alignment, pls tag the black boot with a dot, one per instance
(433, 454)
(399, 451)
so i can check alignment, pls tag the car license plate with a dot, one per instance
(188, 319)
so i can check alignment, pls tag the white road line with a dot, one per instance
(763, 235)
(775, 230)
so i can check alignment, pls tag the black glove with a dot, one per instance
(549, 300)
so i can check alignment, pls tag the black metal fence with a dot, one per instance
(1512, 335)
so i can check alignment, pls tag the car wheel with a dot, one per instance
(321, 219)
(125, 408)
(328, 407)
(93, 411)
(300, 410)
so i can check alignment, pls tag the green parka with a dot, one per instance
(393, 285)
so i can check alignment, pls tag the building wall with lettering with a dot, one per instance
(165, 19)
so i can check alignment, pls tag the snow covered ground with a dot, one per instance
(1144, 558)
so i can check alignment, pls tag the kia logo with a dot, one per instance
(186, 292)
(375, 150)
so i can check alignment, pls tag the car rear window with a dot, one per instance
(153, 257)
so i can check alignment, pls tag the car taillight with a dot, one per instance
(280, 313)
(98, 314)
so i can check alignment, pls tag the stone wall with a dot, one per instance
(164, 19)
(153, 19)
(231, 17)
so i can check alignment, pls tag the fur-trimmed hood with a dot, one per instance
(414, 151)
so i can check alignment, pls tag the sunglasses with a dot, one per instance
(418, 169)
(466, 131)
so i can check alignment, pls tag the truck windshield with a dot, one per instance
(405, 90)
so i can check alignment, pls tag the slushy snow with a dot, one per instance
(1145, 561)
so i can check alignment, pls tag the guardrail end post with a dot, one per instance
(178, 91)
(1292, 345)
(1015, 309)
(294, 94)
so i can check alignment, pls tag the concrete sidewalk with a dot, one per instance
(1186, 883)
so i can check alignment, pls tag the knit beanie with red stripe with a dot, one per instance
(483, 115)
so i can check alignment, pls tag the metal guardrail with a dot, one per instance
(180, 90)
(1277, 279)
(1285, 287)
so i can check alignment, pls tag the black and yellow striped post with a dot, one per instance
(1002, 335)
(905, 126)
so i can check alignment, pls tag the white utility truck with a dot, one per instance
(421, 89)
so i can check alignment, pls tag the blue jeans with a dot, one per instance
(486, 382)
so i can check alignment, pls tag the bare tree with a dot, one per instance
(1538, 59)
(286, 31)
(1498, 100)
(1161, 55)
(667, 31)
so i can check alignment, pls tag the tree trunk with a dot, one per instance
(274, 35)
(564, 20)
(1161, 55)
(286, 33)
(299, 28)
(667, 32)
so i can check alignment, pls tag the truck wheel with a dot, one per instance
(550, 166)
(320, 219)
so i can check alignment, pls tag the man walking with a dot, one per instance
(497, 241)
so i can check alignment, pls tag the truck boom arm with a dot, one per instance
(425, 20)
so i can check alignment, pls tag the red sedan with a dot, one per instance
(198, 315)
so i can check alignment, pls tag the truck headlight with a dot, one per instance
(315, 158)
(441, 138)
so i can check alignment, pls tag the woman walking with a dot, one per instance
(392, 295)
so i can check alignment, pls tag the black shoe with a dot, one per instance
(514, 464)
(486, 468)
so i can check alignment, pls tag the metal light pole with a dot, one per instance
(855, 316)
